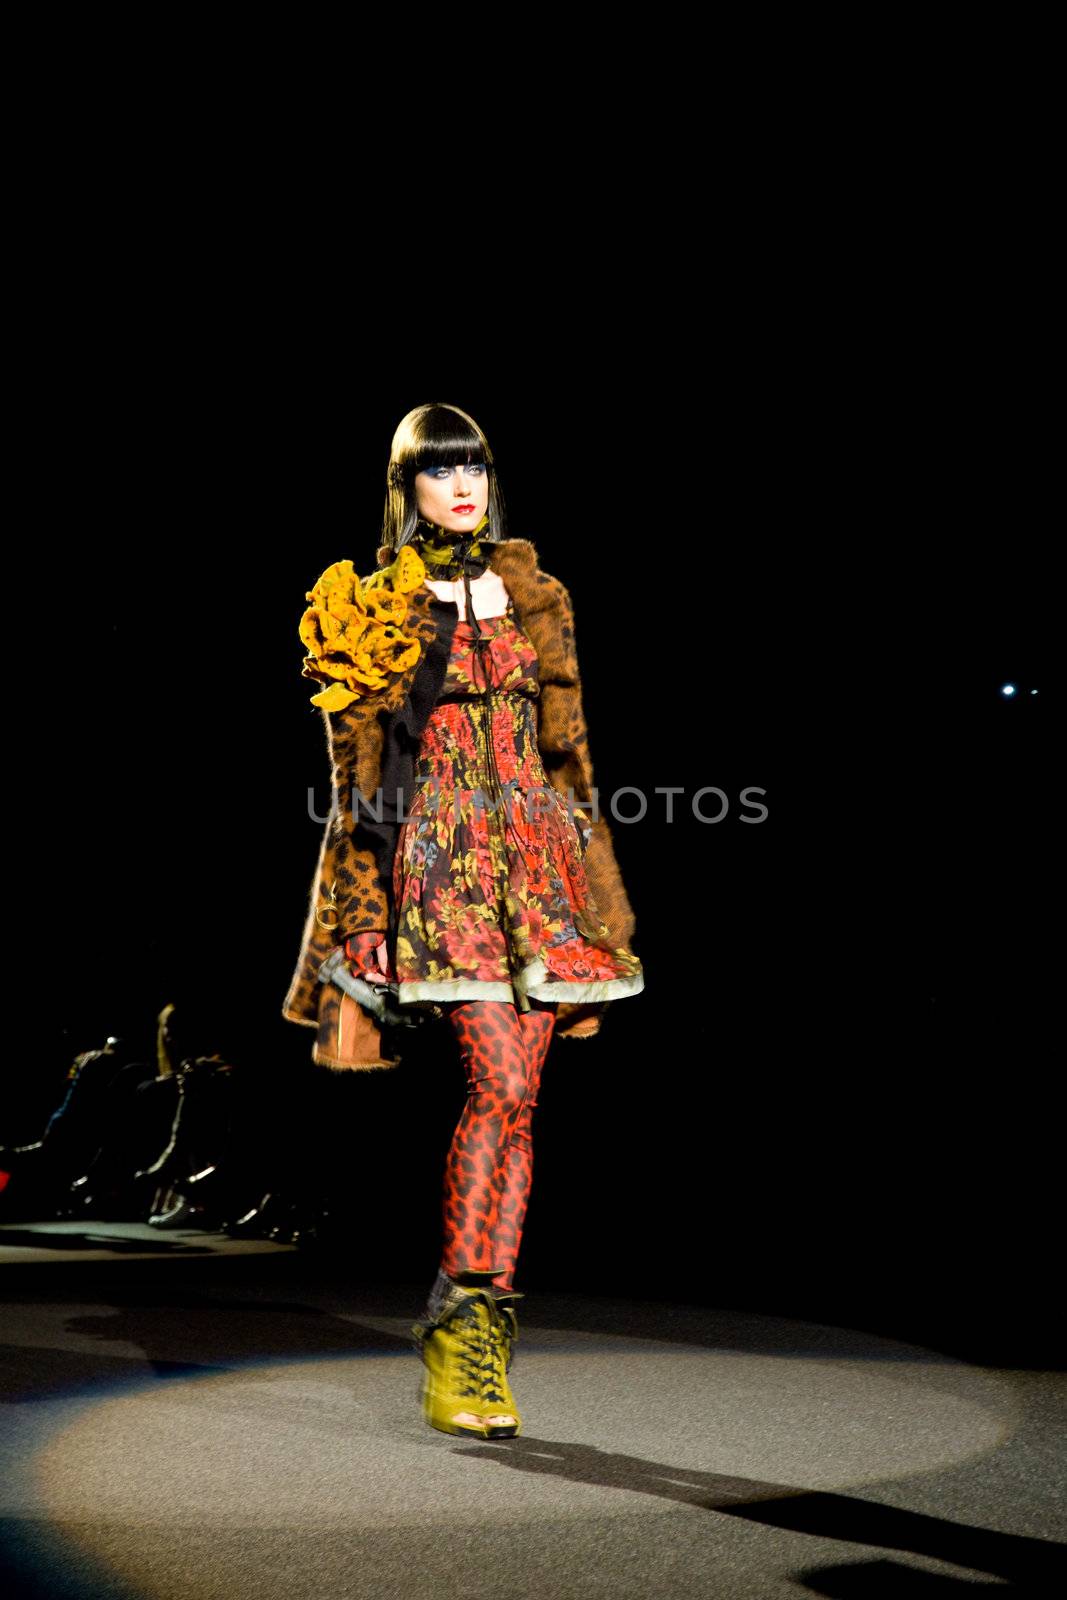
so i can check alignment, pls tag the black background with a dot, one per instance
(806, 523)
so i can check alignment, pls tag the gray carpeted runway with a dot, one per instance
(199, 1425)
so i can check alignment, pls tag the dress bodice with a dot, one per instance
(490, 654)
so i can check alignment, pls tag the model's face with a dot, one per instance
(455, 497)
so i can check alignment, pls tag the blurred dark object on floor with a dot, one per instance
(189, 1141)
(286, 1219)
(97, 1108)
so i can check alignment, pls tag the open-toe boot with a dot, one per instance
(456, 1350)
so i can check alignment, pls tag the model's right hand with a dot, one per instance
(369, 956)
(380, 954)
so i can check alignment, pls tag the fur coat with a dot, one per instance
(370, 745)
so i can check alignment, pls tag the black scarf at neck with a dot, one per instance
(448, 554)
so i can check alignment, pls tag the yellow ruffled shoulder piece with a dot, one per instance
(354, 631)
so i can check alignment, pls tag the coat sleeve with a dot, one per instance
(351, 890)
(360, 890)
(564, 747)
(564, 736)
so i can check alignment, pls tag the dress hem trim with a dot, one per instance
(532, 983)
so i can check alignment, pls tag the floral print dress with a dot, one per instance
(488, 878)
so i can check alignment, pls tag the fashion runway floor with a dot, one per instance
(185, 1417)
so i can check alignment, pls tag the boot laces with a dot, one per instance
(471, 1357)
(498, 1359)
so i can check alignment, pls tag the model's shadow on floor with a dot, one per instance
(1035, 1567)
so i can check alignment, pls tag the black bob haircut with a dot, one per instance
(435, 435)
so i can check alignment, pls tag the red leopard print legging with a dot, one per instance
(489, 1166)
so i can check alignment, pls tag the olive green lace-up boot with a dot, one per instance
(455, 1342)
